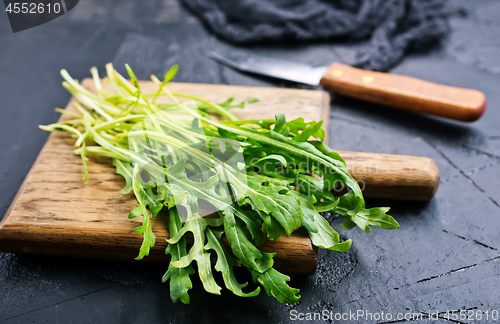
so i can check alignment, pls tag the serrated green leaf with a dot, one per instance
(225, 264)
(364, 217)
(311, 130)
(145, 229)
(125, 170)
(197, 225)
(180, 283)
(243, 248)
(320, 232)
(264, 194)
(275, 284)
(252, 221)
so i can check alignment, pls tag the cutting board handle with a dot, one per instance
(398, 177)
(405, 92)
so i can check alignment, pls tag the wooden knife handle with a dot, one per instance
(390, 176)
(405, 92)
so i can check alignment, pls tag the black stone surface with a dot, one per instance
(445, 256)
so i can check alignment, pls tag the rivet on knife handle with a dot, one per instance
(405, 92)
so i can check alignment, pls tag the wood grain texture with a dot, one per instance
(398, 177)
(55, 213)
(405, 92)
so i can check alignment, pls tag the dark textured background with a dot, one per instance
(444, 257)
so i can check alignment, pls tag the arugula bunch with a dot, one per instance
(265, 178)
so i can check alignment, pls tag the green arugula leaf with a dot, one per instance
(180, 283)
(225, 264)
(145, 229)
(275, 284)
(124, 169)
(264, 195)
(197, 252)
(253, 223)
(320, 232)
(364, 217)
(243, 248)
(312, 129)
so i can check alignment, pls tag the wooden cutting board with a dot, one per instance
(55, 213)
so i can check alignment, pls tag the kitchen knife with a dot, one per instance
(383, 88)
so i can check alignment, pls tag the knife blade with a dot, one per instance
(393, 90)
